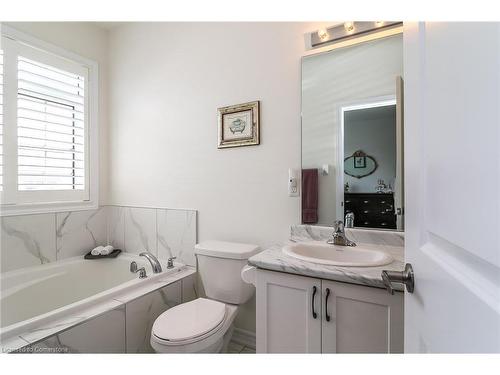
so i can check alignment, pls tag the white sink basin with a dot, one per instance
(342, 256)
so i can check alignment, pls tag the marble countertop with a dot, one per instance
(392, 243)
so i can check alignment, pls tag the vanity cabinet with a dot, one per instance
(298, 314)
(362, 319)
(285, 306)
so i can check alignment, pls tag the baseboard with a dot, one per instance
(244, 337)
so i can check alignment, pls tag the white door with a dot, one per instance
(452, 182)
(288, 313)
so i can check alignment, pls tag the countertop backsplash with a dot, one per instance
(371, 236)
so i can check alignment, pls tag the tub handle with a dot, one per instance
(142, 273)
(133, 267)
(170, 263)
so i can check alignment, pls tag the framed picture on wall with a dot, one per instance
(239, 125)
(360, 162)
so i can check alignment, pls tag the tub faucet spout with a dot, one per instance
(155, 264)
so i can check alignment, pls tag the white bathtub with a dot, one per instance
(34, 296)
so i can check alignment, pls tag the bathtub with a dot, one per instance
(35, 296)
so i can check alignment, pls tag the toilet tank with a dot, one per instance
(219, 266)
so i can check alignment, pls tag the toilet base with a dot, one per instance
(227, 338)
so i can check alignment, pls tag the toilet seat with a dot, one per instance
(189, 322)
(208, 342)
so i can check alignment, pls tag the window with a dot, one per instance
(48, 157)
(50, 128)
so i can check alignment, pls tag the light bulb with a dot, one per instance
(323, 34)
(349, 26)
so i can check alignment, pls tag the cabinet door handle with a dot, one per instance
(327, 317)
(312, 301)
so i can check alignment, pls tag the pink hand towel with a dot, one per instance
(310, 196)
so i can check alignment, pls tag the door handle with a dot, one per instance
(312, 302)
(405, 277)
(327, 317)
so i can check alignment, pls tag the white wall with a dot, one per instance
(90, 41)
(335, 79)
(166, 82)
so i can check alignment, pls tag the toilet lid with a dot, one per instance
(189, 320)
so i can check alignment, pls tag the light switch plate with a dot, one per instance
(293, 184)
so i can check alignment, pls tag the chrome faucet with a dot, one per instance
(153, 260)
(349, 220)
(338, 236)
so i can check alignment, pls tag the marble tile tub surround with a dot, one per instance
(33, 238)
(77, 232)
(274, 259)
(121, 324)
(29, 240)
(164, 232)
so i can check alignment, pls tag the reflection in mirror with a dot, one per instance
(352, 149)
(359, 165)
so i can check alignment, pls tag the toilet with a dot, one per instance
(205, 325)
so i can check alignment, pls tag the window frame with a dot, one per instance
(14, 201)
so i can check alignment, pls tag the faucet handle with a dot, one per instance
(170, 261)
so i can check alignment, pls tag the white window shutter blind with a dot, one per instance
(50, 127)
(48, 104)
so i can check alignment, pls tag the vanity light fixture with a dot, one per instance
(348, 30)
(349, 26)
(323, 34)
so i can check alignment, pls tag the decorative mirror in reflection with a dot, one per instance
(359, 165)
(352, 131)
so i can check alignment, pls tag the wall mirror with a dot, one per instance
(352, 135)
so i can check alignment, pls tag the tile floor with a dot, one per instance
(235, 348)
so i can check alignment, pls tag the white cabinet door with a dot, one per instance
(288, 313)
(452, 169)
(361, 319)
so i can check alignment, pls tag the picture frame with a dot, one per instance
(359, 162)
(239, 125)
